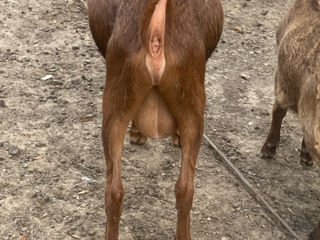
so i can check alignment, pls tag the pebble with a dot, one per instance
(47, 77)
(238, 29)
(6, 145)
(2, 103)
(75, 47)
(14, 150)
(40, 144)
(259, 25)
(76, 81)
(91, 232)
(244, 76)
(55, 83)
(244, 4)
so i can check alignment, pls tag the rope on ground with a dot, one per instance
(251, 188)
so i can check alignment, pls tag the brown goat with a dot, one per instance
(156, 52)
(297, 80)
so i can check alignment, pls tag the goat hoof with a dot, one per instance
(137, 138)
(305, 160)
(315, 235)
(268, 151)
(176, 140)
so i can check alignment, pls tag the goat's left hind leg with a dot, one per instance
(191, 135)
(189, 114)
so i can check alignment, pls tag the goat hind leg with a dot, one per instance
(269, 148)
(114, 128)
(191, 135)
(315, 234)
(189, 113)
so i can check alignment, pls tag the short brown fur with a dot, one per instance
(297, 80)
(174, 104)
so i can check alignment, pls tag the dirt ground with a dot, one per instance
(52, 169)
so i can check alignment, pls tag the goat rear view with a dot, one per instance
(297, 81)
(155, 52)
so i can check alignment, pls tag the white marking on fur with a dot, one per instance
(155, 72)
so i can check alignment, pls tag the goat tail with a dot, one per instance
(153, 26)
(152, 34)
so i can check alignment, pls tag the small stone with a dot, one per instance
(76, 81)
(2, 103)
(42, 99)
(6, 145)
(55, 83)
(47, 77)
(91, 232)
(14, 150)
(259, 24)
(238, 29)
(40, 144)
(264, 12)
(244, 76)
